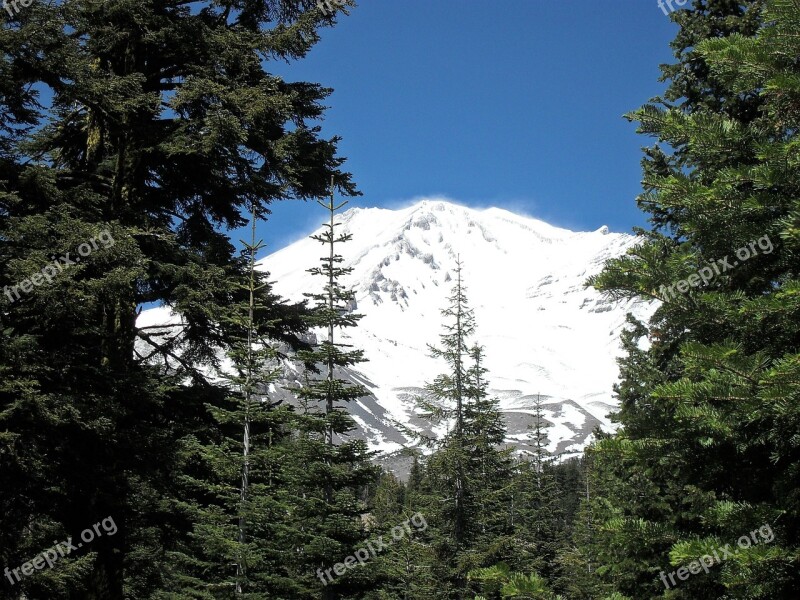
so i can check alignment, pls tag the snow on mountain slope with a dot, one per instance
(544, 332)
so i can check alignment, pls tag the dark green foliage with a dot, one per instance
(466, 488)
(489, 468)
(446, 400)
(708, 451)
(331, 471)
(403, 570)
(155, 125)
(149, 129)
(233, 473)
(540, 520)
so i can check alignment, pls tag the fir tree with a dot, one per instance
(540, 524)
(539, 453)
(163, 130)
(403, 570)
(233, 472)
(467, 483)
(331, 473)
(489, 475)
(709, 410)
(446, 397)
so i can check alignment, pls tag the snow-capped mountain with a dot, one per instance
(543, 330)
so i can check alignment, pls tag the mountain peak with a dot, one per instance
(543, 330)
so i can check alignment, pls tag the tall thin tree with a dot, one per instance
(335, 470)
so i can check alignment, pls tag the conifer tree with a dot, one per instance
(484, 427)
(403, 569)
(489, 475)
(446, 398)
(711, 408)
(540, 524)
(467, 479)
(164, 128)
(233, 472)
(331, 471)
(539, 441)
(447, 498)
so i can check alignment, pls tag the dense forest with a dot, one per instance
(143, 462)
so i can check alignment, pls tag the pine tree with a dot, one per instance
(467, 481)
(403, 569)
(446, 496)
(540, 524)
(331, 473)
(712, 405)
(446, 398)
(489, 475)
(163, 130)
(539, 453)
(233, 472)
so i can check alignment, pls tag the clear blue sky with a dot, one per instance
(516, 104)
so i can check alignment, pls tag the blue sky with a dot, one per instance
(516, 104)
